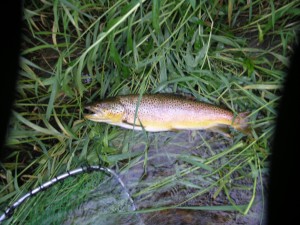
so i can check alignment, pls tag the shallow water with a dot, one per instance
(171, 180)
(174, 181)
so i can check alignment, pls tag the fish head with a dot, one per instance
(108, 111)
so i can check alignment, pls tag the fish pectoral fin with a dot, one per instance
(141, 127)
(131, 124)
(127, 125)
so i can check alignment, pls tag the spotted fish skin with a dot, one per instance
(163, 112)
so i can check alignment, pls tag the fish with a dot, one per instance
(164, 112)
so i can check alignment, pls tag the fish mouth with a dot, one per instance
(90, 116)
(95, 117)
(92, 113)
(90, 108)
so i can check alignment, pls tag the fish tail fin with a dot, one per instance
(241, 123)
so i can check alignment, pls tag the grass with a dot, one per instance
(233, 54)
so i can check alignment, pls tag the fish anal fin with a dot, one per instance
(174, 130)
(223, 130)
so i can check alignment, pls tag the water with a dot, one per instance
(171, 181)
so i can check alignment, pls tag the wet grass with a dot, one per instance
(228, 53)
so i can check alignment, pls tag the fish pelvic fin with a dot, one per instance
(241, 123)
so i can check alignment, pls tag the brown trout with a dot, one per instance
(163, 112)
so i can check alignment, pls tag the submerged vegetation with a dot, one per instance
(228, 53)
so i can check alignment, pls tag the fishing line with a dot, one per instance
(84, 169)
